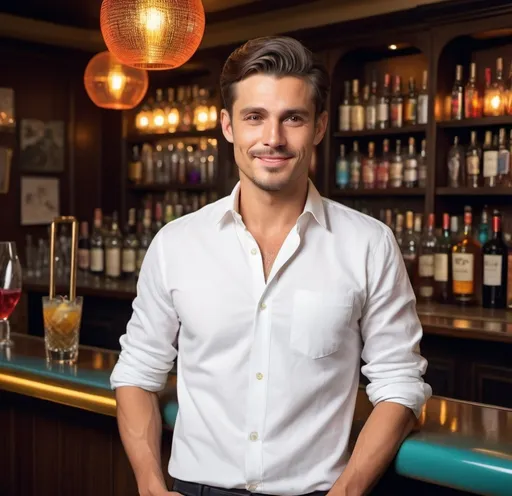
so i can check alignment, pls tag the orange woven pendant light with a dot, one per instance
(113, 85)
(152, 34)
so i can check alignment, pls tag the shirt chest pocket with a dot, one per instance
(319, 321)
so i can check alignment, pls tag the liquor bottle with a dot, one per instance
(344, 109)
(473, 154)
(159, 213)
(355, 166)
(495, 254)
(135, 167)
(456, 164)
(466, 265)
(113, 244)
(411, 104)
(411, 166)
(426, 261)
(169, 214)
(369, 167)
(187, 115)
(145, 238)
(483, 227)
(84, 247)
(388, 218)
(422, 165)
(490, 160)
(488, 93)
(503, 160)
(383, 166)
(454, 229)
(442, 263)
(397, 104)
(172, 113)
(399, 230)
(342, 169)
(457, 104)
(409, 246)
(383, 104)
(97, 244)
(371, 106)
(356, 109)
(396, 167)
(130, 246)
(472, 103)
(423, 100)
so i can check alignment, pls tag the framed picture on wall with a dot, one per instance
(39, 200)
(5, 169)
(7, 119)
(41, 146)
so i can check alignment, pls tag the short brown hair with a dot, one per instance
(274, 55)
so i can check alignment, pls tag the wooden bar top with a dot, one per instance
(438, 319)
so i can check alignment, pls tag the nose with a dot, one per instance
(273, 133)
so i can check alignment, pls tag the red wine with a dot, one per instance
(8, 301)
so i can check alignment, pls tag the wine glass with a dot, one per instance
(10, 287)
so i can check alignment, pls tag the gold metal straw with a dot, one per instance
(68, 219)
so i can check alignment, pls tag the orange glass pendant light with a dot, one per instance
(152, 34)
(113, 85)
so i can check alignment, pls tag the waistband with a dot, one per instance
(194, 489)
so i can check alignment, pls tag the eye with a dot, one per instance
(295, 119)
(252, 117)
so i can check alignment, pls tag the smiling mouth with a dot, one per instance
(273, 159)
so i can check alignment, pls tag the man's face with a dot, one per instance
(273, 129)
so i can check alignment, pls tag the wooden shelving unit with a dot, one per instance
(482, 191)
(388, 132)
(502, 120)
(402, 192)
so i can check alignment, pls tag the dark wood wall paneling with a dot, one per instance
(48, 85)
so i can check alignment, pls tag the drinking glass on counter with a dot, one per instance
(62, 314)
(10, 288)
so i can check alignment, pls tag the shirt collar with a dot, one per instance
(314, 206)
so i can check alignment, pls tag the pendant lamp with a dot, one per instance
(152, 34)
(113, 85)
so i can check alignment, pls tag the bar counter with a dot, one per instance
(460, 445)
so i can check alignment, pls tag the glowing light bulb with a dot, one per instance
(116, 83)
(152, 19)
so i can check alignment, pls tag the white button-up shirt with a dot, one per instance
(268, 371)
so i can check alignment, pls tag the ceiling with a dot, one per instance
(85, 13)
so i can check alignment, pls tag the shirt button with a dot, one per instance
(263, 306)
(259, 376)
(252, 487)
(254, 251)
(253, 436)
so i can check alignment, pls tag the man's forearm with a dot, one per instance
(140, 427)
(387, 426)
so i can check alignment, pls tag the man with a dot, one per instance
(272, 296)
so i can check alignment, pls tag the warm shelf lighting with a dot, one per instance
(113, 85)
(152, 34)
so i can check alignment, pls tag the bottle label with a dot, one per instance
(473, 165)
(426, 291)
(113, 262)
(490, 163)
(395, 170)
(396, 115)
(357, 118)
(492, 270)
(97, 260)
(371, 116)
(369, 172)
(355, 172)
(411, 110)
(504, 162)
(83, 258)
(441, 267)
(342, 175)
(383, 172)
(422, 109)
(344, 118)
(426, 266)
(129, 260)
(383, 112)
(411, 171)
(463, 273)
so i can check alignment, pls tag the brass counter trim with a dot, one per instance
(97, 403)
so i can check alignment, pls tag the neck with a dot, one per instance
(269, 212)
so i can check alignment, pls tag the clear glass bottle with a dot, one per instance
(473, 158)
(356, 109)
(369, 167)
(456, 165)
(422, 165)
(396, 174)
(371, 106)
(113, 246)
(355, 166)
(411, 166)
(383, 102)
(423, 100)
(490, 160)
(457, 102)
(342, 169)
(344, 109)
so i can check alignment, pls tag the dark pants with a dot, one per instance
(193, 489)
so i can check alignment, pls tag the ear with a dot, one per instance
(225, 122)
(321, 127)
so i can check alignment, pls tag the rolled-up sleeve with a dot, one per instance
(148, 348)
(391, 331)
